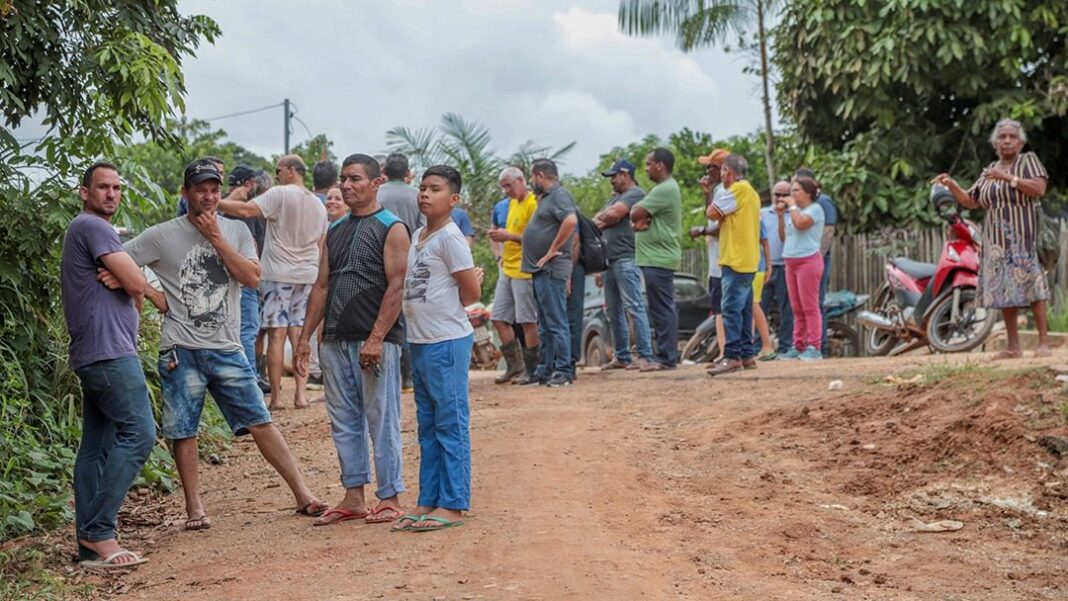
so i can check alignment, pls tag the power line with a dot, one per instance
(248, 112)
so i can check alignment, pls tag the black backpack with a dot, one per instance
(592, 249)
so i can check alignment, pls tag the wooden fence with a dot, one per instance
(857, 260)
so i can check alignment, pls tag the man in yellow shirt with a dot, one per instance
(738, 211)
(513, 299)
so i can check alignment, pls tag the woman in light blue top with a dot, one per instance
(801, 228)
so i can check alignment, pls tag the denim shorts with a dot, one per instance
(187, 374)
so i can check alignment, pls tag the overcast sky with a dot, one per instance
(552, 71)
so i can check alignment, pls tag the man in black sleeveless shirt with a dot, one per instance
(359, 292)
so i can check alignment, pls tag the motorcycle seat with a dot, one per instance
(916, 269)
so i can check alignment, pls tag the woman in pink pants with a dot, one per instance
(800, 228)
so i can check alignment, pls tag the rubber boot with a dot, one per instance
(530, 358)
(513, 361)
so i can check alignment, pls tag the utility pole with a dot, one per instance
(288, 115)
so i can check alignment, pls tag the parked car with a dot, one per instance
(691, 298)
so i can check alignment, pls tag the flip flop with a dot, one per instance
(444, 524)
(346, 515)
(376, 517)
(108, 563)
(405, 518)
(201, 523)
(307, 510)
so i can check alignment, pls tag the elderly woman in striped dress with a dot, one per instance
(1010, 275)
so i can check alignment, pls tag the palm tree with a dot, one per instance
(466, 145)
(702, 23)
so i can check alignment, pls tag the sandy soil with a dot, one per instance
(763, 485)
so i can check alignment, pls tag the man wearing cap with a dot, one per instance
(657, 219)
(296, 230)
(622, 281)
(183, 204)
(738, 212)
(712, 186)
(244, 177)
(202, 262)
(513, 298)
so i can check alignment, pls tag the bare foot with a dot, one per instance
(1008, 354)
(454, 517)
(1043, 350)
(300, 404)
(107, 548)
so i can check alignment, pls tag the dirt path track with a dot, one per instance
(661, 486)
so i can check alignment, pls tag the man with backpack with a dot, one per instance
(546, 248)
(657, 219)
(622, 281)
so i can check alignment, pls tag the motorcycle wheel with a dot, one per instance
(842, 340)
(701, 347)
(881, 342)
(969, 331)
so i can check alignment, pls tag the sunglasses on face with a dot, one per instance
(781, 194)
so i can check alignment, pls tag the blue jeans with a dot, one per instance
(738, 315)
(576, 308)
(553, 328)
(250, 322)
(824, 281)
(775, 295)
(622, 297)
(439, 372)
(229, 378)
(118, 433)
(663, 315)
(361, 403)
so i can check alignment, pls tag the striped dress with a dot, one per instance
(1009, 272)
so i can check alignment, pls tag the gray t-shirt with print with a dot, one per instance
(619, 238)
(204, 302)
(552, 209)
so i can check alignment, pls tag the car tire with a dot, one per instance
(597, 353)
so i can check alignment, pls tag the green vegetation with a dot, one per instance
(99, 73)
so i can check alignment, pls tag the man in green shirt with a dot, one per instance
(657, 219)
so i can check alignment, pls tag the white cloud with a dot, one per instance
(553, 71)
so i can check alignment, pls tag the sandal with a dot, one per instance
(345, 515)
(615, 364)
(201, 523)
(392, 513)
(397, 527)
(108, 563)
(312, 509)
(430, 518)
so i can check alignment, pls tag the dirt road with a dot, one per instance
(763, 485)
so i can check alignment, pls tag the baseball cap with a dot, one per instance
(240, 175)
(619, 165)
(201, 171)
(715, 157)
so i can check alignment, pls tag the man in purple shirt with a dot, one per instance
(118, 430)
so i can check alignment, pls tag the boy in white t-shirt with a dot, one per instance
(441, 280)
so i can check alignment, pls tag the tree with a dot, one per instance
(702, 23)
(98, 72)
(913, 87)
(315, 149)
